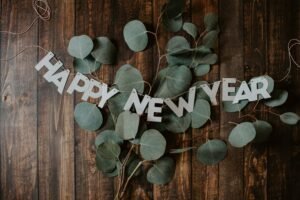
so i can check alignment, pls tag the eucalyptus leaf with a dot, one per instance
(152, 145)
(201, 113)
(228, 106)
(162, 171)
(212, 152)
(132, 165)
(115, 172)
(105, 165)
(116, 105)
(107, 136)
(201, 70)
(173, 8)
(279, 97)
(128, 78)
(88, 116)
(86, 66)
(80, 46)
(210, 59)
(174, 24)
(127, 125)
(176, 81)
(135, 35)
(105, 51)
(176, 124)
(211, 21)
(210, 39)
(191, 29)
(176, 44)
(200, 93)
(109, 150)
(263, 131)
(242, 134)
(290, 118)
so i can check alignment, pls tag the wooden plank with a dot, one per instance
(205, 179)
(93, 18)
(55, 111)
(284, 145)
(180, 186)
(18, 110)
(231, 59)
(255, 42)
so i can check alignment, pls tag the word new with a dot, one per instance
(94, 89)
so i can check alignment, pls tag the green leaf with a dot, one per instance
(242, 134)
(209, 59)
(228, 106)
(201, 113)
(105, 165)
(105, 51)
(210, 39)
(176, 124)
(176, 151)
(80, 46)
(176, 81)
(211, 21)
(162, 171)
(173, 8)
(201, 70)
(152, 145)
(279, 97)
(177, 44)
(116, 105)
(128, 78)
(127, 125)
(174, 24)
(290, 118)
(263, 130)
(191, 29)
(109, 150)
(135, 35)
(115, 172)
(107, 136)
(86, 66)
(88, 116)
(132, 165)
(212, 152)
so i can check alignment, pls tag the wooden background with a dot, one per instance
(44, 155)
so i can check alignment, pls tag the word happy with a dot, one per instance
(96, 90)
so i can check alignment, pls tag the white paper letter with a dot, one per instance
(134, 100)
(90, 93)
(212, 93)
(263, 90)
(152, 109)
(106, 95)
(60, 80)
(243, 93)
(226, 89)
(75, 84)
(182, 103)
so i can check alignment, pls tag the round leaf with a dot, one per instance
(88, 116)
(116, 105)
(279, 97)
(107, 136)
(162, 171)
(263, 130)
(242, 134)
(177, 44)
(105, 165)
(135, 35)
(80, 46)
(176, 124)
(173, 8)
(128, 78)
(105, 51)
(152, 145)
(109, 150)
(176, 81)
(228, 106)
(127, 125)
(86, 66)
(191, 29)
(210, 39)
(173, 25)
(201, 113)
(200, 93)
(290, 118)
(201, 70)
(212, 152)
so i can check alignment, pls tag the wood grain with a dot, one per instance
(45, 155)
